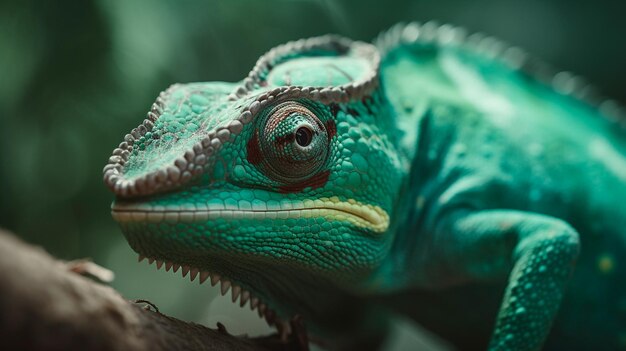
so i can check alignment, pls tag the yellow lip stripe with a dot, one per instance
(359, 214)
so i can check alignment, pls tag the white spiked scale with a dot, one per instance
(237, 292)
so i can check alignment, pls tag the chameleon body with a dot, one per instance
(434, 173)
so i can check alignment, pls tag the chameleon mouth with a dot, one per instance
(361, 215)
(239, 294)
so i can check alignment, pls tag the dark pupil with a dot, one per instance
(303, 136)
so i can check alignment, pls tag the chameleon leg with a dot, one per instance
(538, 253)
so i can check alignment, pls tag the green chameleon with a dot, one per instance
(447, 177)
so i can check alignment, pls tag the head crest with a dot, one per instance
(326, 69)
(337, 68)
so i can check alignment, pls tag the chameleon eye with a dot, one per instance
(294, 142)
(304, 136)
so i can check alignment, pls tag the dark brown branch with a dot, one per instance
(46, 306)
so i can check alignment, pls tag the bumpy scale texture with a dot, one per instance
(453, 178)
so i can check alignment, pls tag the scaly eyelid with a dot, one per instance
(282, 157)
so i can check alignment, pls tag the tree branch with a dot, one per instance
(46, 306)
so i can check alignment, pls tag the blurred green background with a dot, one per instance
(77, 75)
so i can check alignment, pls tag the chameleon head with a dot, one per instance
(276, 184)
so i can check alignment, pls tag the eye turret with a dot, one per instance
(294, 142)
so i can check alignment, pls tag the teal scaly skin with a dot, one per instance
(450, 177)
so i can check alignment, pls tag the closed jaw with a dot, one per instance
(361, 215)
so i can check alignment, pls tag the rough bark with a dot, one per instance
(44, 305)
